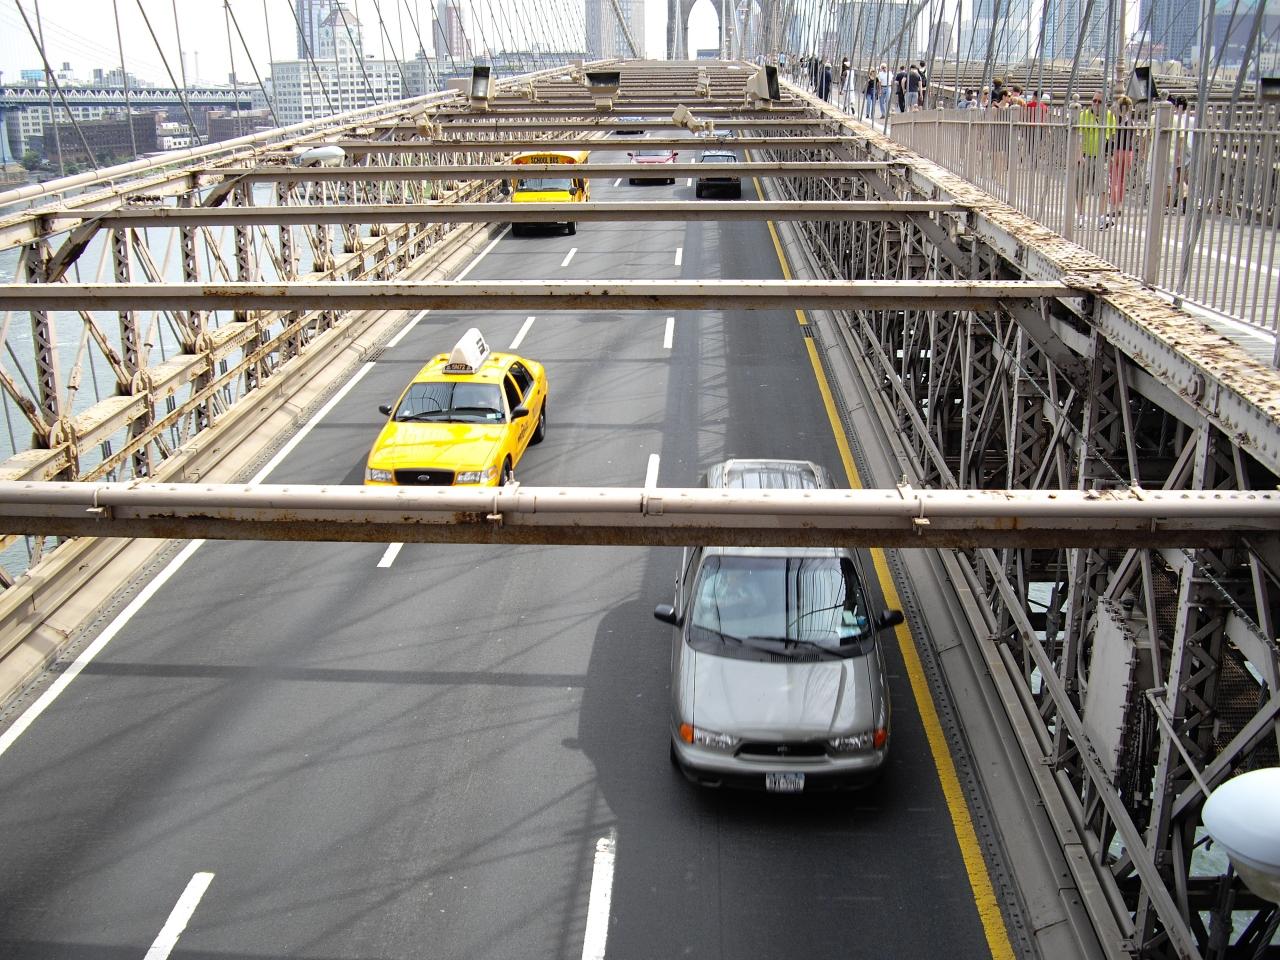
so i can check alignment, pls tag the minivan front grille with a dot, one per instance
(770, 751)
(424, 478)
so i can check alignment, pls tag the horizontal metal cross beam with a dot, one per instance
(780, 142)
(900, 517)
(490, 295)
(442, 212)
(592, 171)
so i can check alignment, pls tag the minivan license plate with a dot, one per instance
(784, 782)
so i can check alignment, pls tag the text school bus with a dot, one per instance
(549, 188)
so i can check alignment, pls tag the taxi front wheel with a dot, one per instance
(540, 430)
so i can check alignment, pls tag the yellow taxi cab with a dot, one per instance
(465, 419)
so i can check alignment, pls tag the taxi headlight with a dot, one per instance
(476, 476)
(707, 738)
(860, 742)
(379, 476)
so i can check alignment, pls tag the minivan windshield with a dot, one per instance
(780, 601)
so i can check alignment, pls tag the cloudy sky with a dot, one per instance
(83, 32)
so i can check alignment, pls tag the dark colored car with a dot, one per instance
(727, 182)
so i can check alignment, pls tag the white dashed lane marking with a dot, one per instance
(668, 337)
(389, 557)
(679, 255)
(521, 335)
(167, 939)
(568, 256)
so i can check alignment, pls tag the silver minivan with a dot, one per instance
(777, 676)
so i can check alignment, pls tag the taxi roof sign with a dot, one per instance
(468, 354)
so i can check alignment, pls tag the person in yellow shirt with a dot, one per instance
(1097, 129)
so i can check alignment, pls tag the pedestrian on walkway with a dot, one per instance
(1121, 160)
(913, 88)
(871, 96)
(824, 80)
(900, 88)
(1095, 130)
(924, 87)
(883, 81)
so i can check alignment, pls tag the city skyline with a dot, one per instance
(83, 33)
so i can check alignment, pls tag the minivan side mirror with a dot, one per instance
(666, 613)
(889, 618)
(384, 409)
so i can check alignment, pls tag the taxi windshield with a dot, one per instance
(815, 601)
(452, 401)
(545, 184)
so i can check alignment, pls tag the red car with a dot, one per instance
(650, 156)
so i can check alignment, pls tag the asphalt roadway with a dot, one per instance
(421, 759)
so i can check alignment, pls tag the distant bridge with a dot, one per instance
(17, 96)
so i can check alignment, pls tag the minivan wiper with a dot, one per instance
(792, 642)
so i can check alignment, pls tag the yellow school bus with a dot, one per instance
(548, 188)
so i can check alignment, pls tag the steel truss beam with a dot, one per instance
(1115, 389)
(901, 517)
(480, 171)
(782, 295)
(591, 212)
(362, 148)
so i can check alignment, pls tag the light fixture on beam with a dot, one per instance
(603, 86)
(481, 89)
(685, 118)
(1243, 818)
(704, 84)
(762, 88)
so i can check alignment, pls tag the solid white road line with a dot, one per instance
(43, 702)
(689, 182)
(568, 256)
(617, 182)
(597, 932)
(180, 917)
(64, 679)
(389, 557)
(651, 474)
(679, 255)
(669, 336)
(520, 336)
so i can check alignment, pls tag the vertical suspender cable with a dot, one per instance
(261, 86)
(182, 94)
(124, 79)
(306, 49)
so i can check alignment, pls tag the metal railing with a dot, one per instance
(1193, 211)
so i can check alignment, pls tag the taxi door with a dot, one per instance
(530, 396)
(521, 429)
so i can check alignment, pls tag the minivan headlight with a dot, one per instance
(707, 738)
(860, 742)
(379, 476)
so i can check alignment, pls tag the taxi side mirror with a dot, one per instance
(666, 613)
(520, 412)
(504, 188)
(631, 155)
(889, 618)
(384, 409)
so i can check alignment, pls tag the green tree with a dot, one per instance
(30, 160)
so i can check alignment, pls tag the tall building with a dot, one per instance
(450, 34)
(877, 31)
(1065, 24)
(339, 36)
(311, 14)
(605, 38)
(337, 78)
(1002, 26)
(1170, 29)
